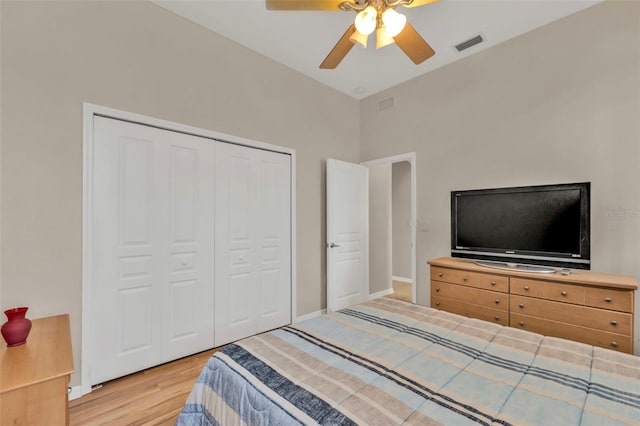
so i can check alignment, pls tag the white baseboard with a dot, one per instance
(402, 279)
(381, 293)
(309, 316)
(76, 392)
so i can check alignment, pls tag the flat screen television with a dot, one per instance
(533, 225)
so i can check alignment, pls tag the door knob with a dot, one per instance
(332, 245)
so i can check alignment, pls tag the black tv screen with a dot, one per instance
(540, 225)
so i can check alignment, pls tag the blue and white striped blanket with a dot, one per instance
(386, 362)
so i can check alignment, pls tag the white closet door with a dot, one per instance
(152, 250)
(253, 242)
(188, 292)
(274, 215)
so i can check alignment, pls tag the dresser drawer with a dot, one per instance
(618, 342)
(618, 300)
(585, 316)
(548, 290)
(471, 279)
(470, 310)
(486, 298)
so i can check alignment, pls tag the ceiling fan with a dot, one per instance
(372, 15)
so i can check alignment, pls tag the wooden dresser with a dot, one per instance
(34, 377)
(584, 306)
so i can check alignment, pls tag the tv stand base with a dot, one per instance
(516, 266)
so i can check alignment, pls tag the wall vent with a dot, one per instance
(469, 43)
(385, 104)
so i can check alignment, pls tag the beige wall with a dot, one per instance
(559, 104)
(138, 57)
(380, 258)
(401, 218)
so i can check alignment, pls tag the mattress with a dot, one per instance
(388, 362)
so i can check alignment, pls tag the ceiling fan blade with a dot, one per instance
(339, 51)
(416, 3)
(330, 5)
(413, 44)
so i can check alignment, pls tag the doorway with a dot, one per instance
(392, 213)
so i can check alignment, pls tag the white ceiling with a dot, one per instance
(302, 39)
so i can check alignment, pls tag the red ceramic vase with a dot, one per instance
(17, 328)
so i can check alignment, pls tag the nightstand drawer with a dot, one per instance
(548, 290)
(470, 310)
(606, 298)
(584, 316)
(471, 279)
(587, 335)
(486, 298)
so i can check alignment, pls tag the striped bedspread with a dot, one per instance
(387, 362)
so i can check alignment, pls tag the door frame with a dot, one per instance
(411, 158)
(89, 111)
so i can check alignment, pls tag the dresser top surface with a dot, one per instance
(46, 355)
(580, 277)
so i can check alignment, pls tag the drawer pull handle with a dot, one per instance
(437, 289)
(497, 301)
(464, 278)
(521, 323)
(440, 274)
(564, 293)
(614, 323)
(521, 306)
(614, 344)
(497, 317)
(526, 288)
(493, 283)
(607, 299)
(437, 303)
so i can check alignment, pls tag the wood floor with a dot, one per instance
(150, 397)
(402, 291)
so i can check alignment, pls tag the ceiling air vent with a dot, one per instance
(469, 43)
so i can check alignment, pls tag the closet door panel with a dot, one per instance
(125, 251)
(235, 250)
(274, 193)
(187, 320)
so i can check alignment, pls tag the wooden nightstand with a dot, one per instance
(34, 377)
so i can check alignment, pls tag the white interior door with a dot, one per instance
(152, 247)
(253, 241)
(347, 234)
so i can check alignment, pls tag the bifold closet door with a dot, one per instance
(253, 241)
(152, 246)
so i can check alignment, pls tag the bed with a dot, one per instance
(387, 362)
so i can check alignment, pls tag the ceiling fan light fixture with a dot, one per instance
(358, 37)
(382, 38)
(393, 21)
(366, 20)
